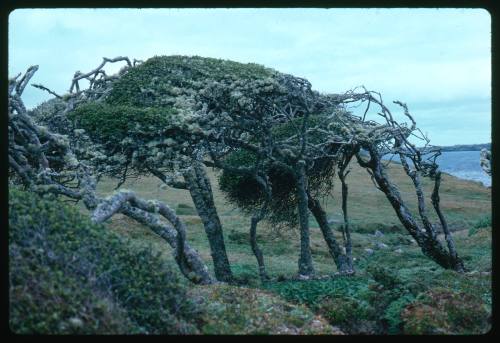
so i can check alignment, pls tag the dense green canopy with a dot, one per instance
(167, 80)
(154, 110)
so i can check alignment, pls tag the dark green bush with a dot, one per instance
(342, 301)
(70, 276)
(109, 125)
(169, 76)
(392, 315)
(313, 292)
(354, 316)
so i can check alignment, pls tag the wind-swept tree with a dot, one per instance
(279, 144)
(156, 117)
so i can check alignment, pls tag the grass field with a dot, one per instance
(466, 205)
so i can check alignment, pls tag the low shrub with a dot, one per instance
(70, 276)
(246, 274)
(482, 223)
(312, 292)
(239, 310)
(385, 277)
(352, 315)
(392, 319)
(340, 300)
(441, 311)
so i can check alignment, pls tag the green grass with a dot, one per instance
(461, 213)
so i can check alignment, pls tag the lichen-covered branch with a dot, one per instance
(485, 161)
(54, 172)
(146, 212)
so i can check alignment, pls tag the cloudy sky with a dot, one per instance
(438, 61)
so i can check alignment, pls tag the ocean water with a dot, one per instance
(462, 164)
(465, 165)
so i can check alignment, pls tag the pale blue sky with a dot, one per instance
(438, 61)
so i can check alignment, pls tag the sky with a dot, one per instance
(437, 61)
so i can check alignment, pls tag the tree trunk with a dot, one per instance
(435, 202)
(341, 260)
(201, 193)
(346, 226)
(256, 250)
(305, 260)
(253, 228)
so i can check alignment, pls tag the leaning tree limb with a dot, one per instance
(340, 259)
(99, 70)
(199, 188)
(430, 246)
(146, 212)
(436, 203)
(394, 137)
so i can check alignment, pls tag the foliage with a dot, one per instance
(70, 276)
(246, 274)
(384, 302)
(154, 113)
(132, 138)
(340, 300)
(50, 114)
(352, 315)
(111, 124)
(314, 291)
(384, 277)
(392, 315)
(480, 224)
(161, 78)
(239, 310)
(441, 311)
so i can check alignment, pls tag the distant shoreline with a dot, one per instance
(466, 147)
